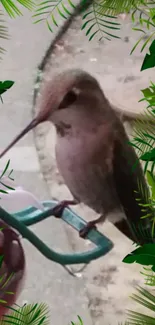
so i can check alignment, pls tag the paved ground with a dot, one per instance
(109, 282)
(46, 281)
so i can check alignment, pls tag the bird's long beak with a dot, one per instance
(29, 127)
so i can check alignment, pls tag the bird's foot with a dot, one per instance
(84, 231)
(57, 211)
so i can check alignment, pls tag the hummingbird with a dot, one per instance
(92, 151)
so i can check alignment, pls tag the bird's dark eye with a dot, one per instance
(68, 100)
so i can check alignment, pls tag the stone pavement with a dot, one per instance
(109, 282)
(45, 281)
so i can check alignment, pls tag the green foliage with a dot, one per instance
(4, 282)
(12, 9)
(149, 276)
(149, 96)
(32, 314)
(99, 24)
(146, 22)
(144, 255)
(149, 60)
(47, 9)
(3, 31)
(79, 323)
(143, 139)
(8, 176)
(141, 233)
(4, 86)
(151, 182)
(101, 16)
(146, 299)
(115, 7)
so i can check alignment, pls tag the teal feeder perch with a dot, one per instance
(30, 216)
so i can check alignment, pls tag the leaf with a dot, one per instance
(149, 97)
(146, 299)
(61, 13)
(151, 182)
(144, 255)
(81, 322)
(4, 174)
(3, 33)
(5, 85)
(5, 169)
(92, 35)
(1, 256)
(7, 280)
(148, 156)
(49, 27)
(141, 232)
(148, 93)
(134, 47)
(4, 192)
(3, 301)
(8, 84)
(9, 187)
(149, 60)
(32, 314)
(13, 10)
(65, 9)
(47, 10)
(150, 278)
(99, 23)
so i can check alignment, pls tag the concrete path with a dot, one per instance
(45, 281)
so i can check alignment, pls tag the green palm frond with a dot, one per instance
(141, 233)
(3, 31)
(12, 9)
(100, 24)
(143, 139)
(149, 276)
(8, 176)
(115, 7)
(4, 282)
(145, 16)
(47, 9)
(143, 195)
(79, 323)
(149, 96)
(144, 230)
(146, 299)
(32, 314)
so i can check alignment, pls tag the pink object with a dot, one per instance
(13, 264)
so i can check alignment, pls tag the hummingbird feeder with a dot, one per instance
(32, 215)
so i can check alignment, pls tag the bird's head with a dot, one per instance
(69, 95)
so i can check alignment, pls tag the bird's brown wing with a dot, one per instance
(126, 183)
